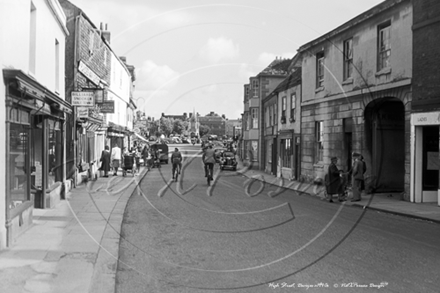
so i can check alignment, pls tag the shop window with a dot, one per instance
(18, 173)
(37, 161)
(55, 154)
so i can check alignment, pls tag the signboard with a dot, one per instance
(107, 107)
(94, 112)
(430, 118)
(99, 96)
(82, 112)
(83, 99)
(93, 77)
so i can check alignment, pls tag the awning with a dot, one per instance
(140, 137)
(32, 89)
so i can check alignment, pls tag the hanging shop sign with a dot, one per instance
(100, 96)
(107, 107)
(94, 112)
(83, 99)
(84, 69)
(82, 112)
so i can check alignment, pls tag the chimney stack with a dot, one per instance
(105, 33)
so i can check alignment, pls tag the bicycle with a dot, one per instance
(209, 172)
(176, 170)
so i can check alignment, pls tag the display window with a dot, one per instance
(18, 161)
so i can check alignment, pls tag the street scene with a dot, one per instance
(202, 146)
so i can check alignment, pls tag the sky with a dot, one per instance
(197, 55)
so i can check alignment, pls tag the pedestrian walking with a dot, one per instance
(105, 160)
(145, 153)
(116, 158)
(358, 177)
(333, 183)
(364, 165)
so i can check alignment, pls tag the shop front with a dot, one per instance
(90, 143)
(285, 155)
(117, 135)
(35, 149)
(425, 161)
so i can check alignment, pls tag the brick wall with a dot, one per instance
(426, 57)
(96, 56)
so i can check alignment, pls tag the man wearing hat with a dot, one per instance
(334, 181)
(357, 177)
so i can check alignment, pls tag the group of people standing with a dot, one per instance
(336, 179)
(113, 160)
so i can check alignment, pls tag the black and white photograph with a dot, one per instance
(202, 146)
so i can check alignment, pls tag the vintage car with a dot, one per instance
(162, 151)
(227, 161)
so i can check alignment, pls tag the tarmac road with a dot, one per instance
(239, 237)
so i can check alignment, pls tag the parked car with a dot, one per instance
(228, 161)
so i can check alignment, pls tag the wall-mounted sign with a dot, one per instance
(107, 107)
(429, 118)
(82, 112)
(84, 69)
(83, 99)
(115, 134)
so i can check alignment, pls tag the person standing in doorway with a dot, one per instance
(358, 177)
(116, 158)
(105, 160)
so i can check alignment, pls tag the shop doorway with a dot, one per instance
(427, 164)
(385, 138)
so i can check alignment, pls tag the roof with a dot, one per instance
(290, 81)
(385, 5)
(277, 67)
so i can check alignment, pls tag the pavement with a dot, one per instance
(74, 248)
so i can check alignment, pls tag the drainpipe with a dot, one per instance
(75, 85)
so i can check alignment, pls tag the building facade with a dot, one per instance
(99, 86)
(231, 127)
(259, 87)
(289, 127)
(356, 97)
(33, 112)
(216, 124)
(425, 117)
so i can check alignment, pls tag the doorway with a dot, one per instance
(385, 130)
(430, 165)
